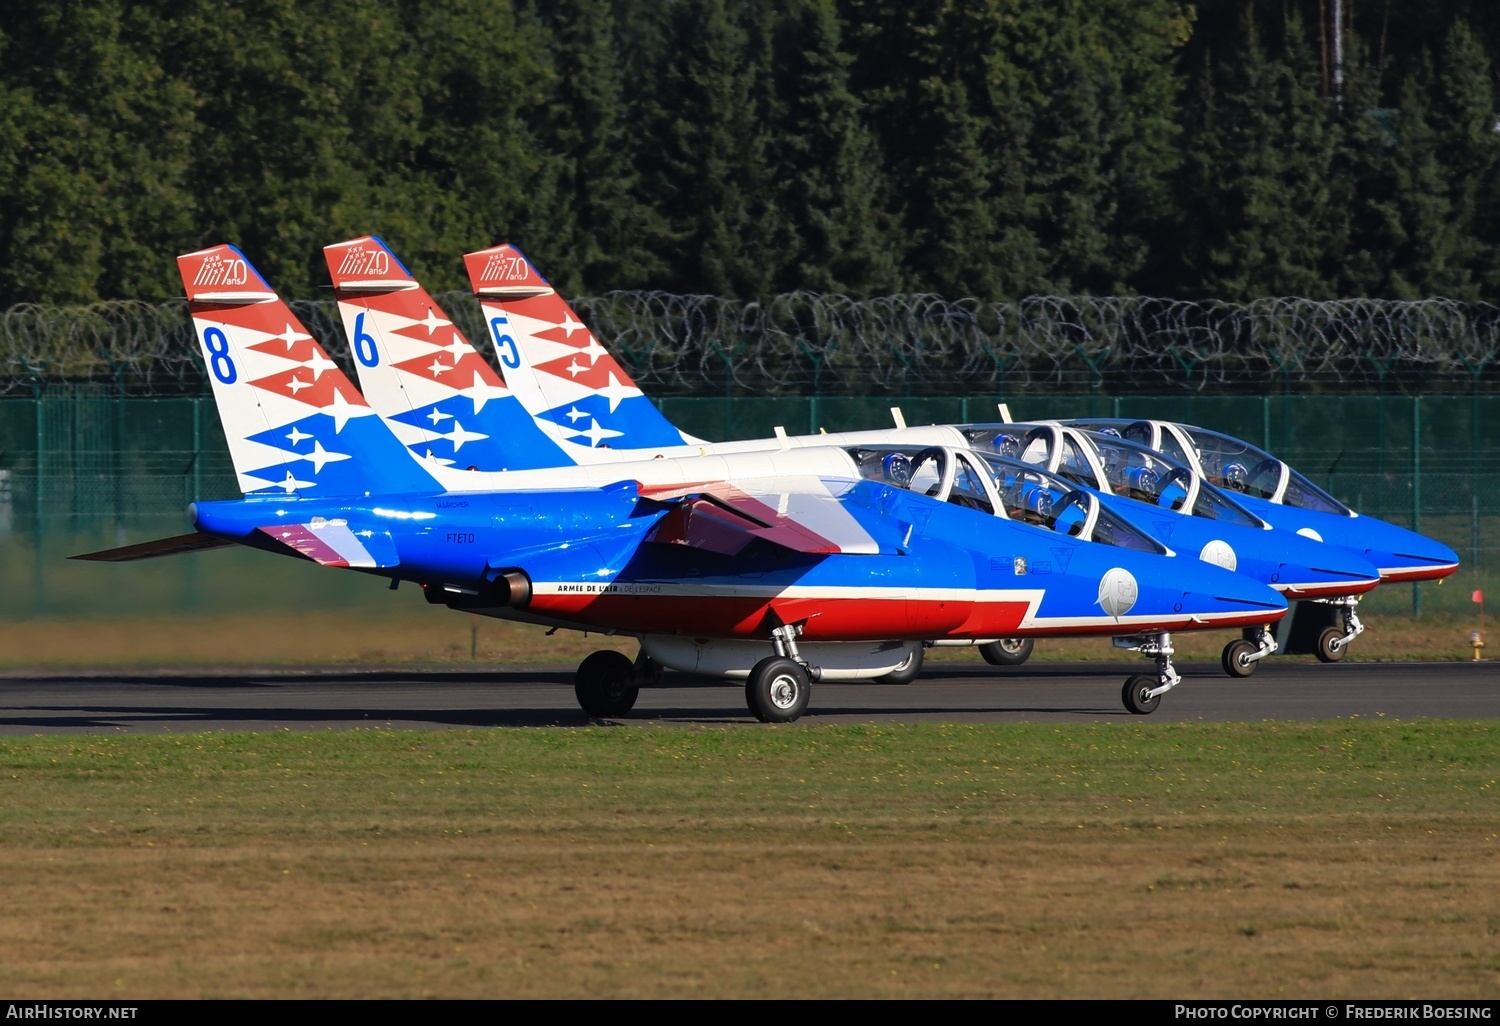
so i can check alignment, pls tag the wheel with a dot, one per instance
(605, 684)
(778, 690)
(1236, 661)
(906, 672)
(1331, 646)
(1007, 651)
(1137, 695)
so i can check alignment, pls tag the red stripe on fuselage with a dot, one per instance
(842, 619)
(1409, 574)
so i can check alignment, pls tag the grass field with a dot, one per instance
(1343, 859)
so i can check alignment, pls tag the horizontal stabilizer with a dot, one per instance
(196, 542)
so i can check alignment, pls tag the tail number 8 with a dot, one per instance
(217, 344)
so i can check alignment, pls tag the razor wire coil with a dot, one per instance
(803, 342)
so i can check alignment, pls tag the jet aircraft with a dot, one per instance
(414, 364)
(543, 343)
(780, 567)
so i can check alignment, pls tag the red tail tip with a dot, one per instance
(503, 272)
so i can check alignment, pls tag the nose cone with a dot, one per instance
(1214, 597)
(1309, 569)
(1402, 555)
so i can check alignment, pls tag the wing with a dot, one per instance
(802, 514)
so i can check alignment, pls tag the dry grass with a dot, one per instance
(426, 634)
(1010, 861)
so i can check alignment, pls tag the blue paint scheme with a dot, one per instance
(1391, 548)
(634, 423)
(600, 537)
(1279, 557)
(511, 440)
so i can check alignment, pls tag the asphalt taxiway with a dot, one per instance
(531, 696)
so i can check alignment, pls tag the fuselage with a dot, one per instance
(595, 558)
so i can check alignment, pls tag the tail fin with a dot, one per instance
(295, 423)
(570, 384)
(432, 388)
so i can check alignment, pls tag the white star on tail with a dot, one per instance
(569, 325)
(456, 349)
(297, 384)
(458, 436)
(341, 410)
(291, 484)
(318, 364)
(320, 456)
(574, 415)
(615, 392)
(432, 321)
(594, 350)
(596, 434)
(480, 393)
(298, 436)
(574, 369)
(437, 415)
(291, 336)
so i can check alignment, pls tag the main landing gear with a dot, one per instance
(781, 685)
(1007, 651)
(1142, 693)
(608, 683)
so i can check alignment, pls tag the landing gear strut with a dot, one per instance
(1243, 655)
(781, 685)
(1333, 643)
(1142, 693)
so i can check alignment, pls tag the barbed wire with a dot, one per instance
(804, 342)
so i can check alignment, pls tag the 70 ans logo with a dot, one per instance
(503, 267)
(361, 261)
(222, 270)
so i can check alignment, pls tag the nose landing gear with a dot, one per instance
(1142, 693)
(1243, 655)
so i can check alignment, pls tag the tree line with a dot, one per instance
(746, 148)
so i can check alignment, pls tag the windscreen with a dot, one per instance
(1239, 466)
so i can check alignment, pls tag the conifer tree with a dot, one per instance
(830, 184)
(708, 177)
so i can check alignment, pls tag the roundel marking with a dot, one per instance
(1219, 553)
(1118, 591)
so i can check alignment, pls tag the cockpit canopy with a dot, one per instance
(1108, 462)
(1003, 487)
(1230, 463)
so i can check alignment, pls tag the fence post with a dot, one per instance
(39, 579)
(1416, 489)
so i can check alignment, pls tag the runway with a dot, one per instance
(539, 696)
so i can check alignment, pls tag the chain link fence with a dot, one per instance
(79, 473)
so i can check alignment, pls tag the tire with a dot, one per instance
(1007, 651)
(906, 672)
(1331, 647)
(1234, 661)
(778, 690)
(605, 685)
(1135, 698)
